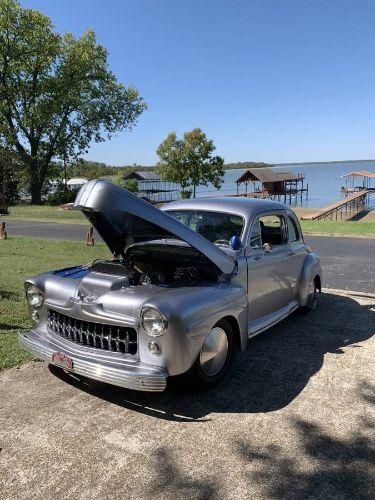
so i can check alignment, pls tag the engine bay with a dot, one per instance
(147, 264)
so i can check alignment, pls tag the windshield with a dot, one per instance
(217, 227)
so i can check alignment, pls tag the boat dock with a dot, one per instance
(352, 203)
(354, 198)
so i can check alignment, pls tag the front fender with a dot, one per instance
(191, 314)
(311, 268)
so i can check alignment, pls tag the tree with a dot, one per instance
(10, 171)
(57, 94)
(189, 161)
(90, 169)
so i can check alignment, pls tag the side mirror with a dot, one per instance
(267, 248)
(235, 243)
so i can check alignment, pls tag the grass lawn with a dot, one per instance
(45, 213)
(345, 228)
(22, 258)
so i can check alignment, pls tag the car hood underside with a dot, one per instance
(122, 219)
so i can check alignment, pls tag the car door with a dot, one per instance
(269, 286)
(297, 251)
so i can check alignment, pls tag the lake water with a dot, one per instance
(324, 180)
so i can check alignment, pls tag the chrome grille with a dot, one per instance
(108, 337)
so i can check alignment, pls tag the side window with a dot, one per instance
(293, 230)
(272, 229)
(255, 237)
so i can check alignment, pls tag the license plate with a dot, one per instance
(61, 359)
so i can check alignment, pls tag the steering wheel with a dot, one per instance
(222, 242)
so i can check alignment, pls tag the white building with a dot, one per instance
(76, 182)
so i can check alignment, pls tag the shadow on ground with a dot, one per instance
(360, 215)
(342, 468)
(9, 326)
(7, 295)
(273, 370)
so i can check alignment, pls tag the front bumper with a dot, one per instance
(102, 366)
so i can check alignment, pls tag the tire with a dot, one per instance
(205, 373)
(312, 300)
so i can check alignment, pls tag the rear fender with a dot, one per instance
(311, 269)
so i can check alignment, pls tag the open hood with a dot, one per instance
(122, 219)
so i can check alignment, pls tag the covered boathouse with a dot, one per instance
(267, 183)
(364, 181)
(151, 186)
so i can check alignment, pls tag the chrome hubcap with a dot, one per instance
(214, 352)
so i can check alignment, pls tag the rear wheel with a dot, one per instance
(313, 298)
(214, 358)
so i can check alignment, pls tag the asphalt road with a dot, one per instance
(348, 263)
(294, 419)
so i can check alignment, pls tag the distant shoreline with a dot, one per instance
(248, 164)
(322, 162)
(245, 165)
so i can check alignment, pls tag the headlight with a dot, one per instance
(34, 296)
(153, 321)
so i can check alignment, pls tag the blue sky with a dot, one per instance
(268, 80)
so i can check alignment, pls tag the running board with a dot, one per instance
(258, 326)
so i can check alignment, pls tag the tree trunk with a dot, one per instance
(35, 184)
(193, 190)
(36, 192)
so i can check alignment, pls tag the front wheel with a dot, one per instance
(214, 358)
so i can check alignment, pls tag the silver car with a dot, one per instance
(186, 285)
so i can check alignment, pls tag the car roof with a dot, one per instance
(247, 207)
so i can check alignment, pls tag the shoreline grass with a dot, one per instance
(351, 229)
(22, 258)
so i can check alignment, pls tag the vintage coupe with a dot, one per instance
(185, 285)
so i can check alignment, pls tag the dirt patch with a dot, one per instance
(294, 419)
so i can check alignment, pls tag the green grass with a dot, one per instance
(345, 228)
(22, 258)
(44, 213)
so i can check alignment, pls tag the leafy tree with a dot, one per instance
(57, 94)
(189, 161)
(90, 169)
(9, 178)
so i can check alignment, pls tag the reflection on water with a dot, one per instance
(324, 180)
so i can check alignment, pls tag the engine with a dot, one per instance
(158, 267)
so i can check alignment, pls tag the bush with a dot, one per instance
(129, 184)
(61, 195)
(185, 195)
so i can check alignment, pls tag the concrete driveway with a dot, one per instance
(293, 420)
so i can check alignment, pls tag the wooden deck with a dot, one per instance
(353, 201)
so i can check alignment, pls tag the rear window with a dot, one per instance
(214, 226)
(293, 230)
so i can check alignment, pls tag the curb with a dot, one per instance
(352, 293)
